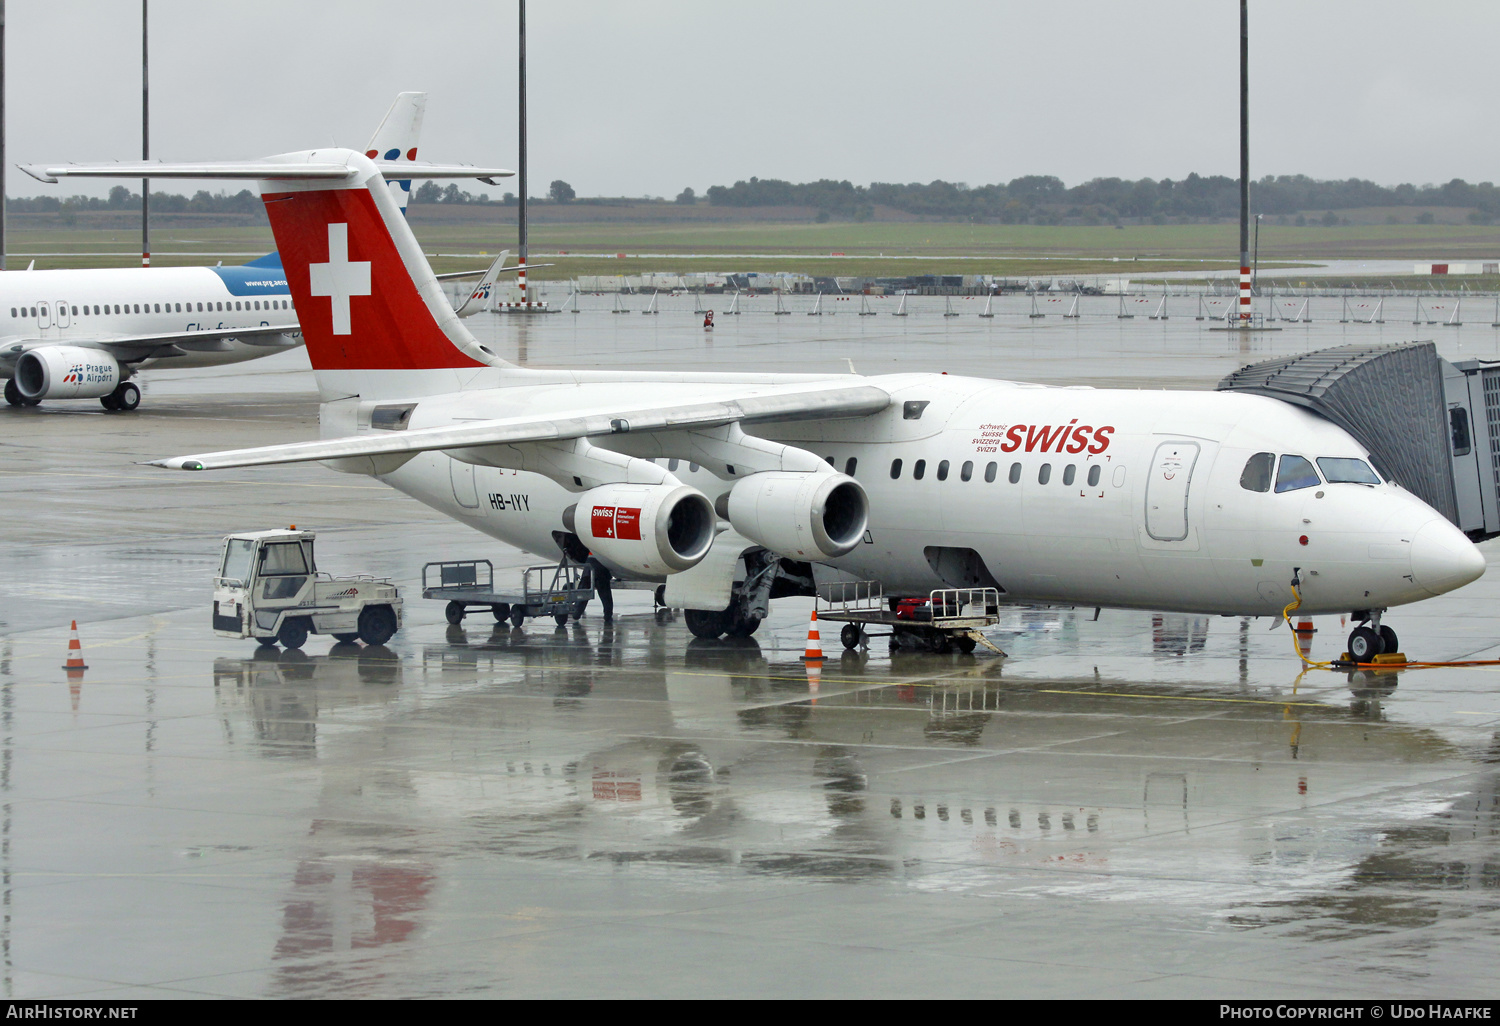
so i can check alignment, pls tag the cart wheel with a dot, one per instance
(377, 624)
(941, 644)
(346, 639)
(965, 644)
(850, 636)
(517, 615)
(501, 611)
(454, 611)
(659, 597)
(579, 608)
(293, 633)
(561, 619)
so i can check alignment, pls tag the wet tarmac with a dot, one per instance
(1138, 805)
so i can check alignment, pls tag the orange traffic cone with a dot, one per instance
(75, 663)
(1305, 632)
(814, 643)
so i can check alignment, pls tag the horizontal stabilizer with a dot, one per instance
(259, 170)
(795, 402)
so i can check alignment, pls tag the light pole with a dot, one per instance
(145, 142)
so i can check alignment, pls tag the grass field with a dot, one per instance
(867, 248)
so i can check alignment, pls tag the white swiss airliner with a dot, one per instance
(1207, 502)
(82, 334)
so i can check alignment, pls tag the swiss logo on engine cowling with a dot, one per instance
(628, 522)
(622, 522)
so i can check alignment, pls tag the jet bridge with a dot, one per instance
(1414, 411)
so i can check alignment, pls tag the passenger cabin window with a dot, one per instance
(1069, 473)
(1044, 474)
(967, 472)
(918, 469)
(1347, 470)
(895, 469)
(1296, 472)
(1256, 477)
(942, 474)
(849, 465)
(1015, 473)
(989, 472)
(1094, 476)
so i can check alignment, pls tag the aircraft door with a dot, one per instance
(62, 313)
(465, 492)
(1167, 490)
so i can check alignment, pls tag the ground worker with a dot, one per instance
(598, 577)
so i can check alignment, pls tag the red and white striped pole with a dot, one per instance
(521, 279)
(1244, 164)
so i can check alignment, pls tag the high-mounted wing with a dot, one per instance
(798, 401)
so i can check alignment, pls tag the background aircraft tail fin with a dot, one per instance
(479, 299)
(396, 139)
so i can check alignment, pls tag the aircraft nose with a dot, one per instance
(1442, 558)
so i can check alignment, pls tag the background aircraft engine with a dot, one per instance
(652, 529)
(66, 372)
(805, 516)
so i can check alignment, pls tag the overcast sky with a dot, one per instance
(645, 97)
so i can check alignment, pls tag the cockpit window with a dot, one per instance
(1256, 477)
(1296, 472)
(1346, 470)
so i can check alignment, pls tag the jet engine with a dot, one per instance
(652, 529)
(66, 372)
(804, 516)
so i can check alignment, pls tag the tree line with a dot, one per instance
(1045, 199)
(1031, 199)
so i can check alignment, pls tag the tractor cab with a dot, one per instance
(268, 587)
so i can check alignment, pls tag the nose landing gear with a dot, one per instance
(1371, 638)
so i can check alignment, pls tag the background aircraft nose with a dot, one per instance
(1442, 558)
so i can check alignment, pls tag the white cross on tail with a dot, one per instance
(340, 279)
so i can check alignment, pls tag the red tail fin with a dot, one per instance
(357, 302)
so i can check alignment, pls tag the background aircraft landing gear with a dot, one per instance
(14, 397)
(125, 397)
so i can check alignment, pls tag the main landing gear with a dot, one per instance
(14, 397)
(1371, 638)
(124, 398)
